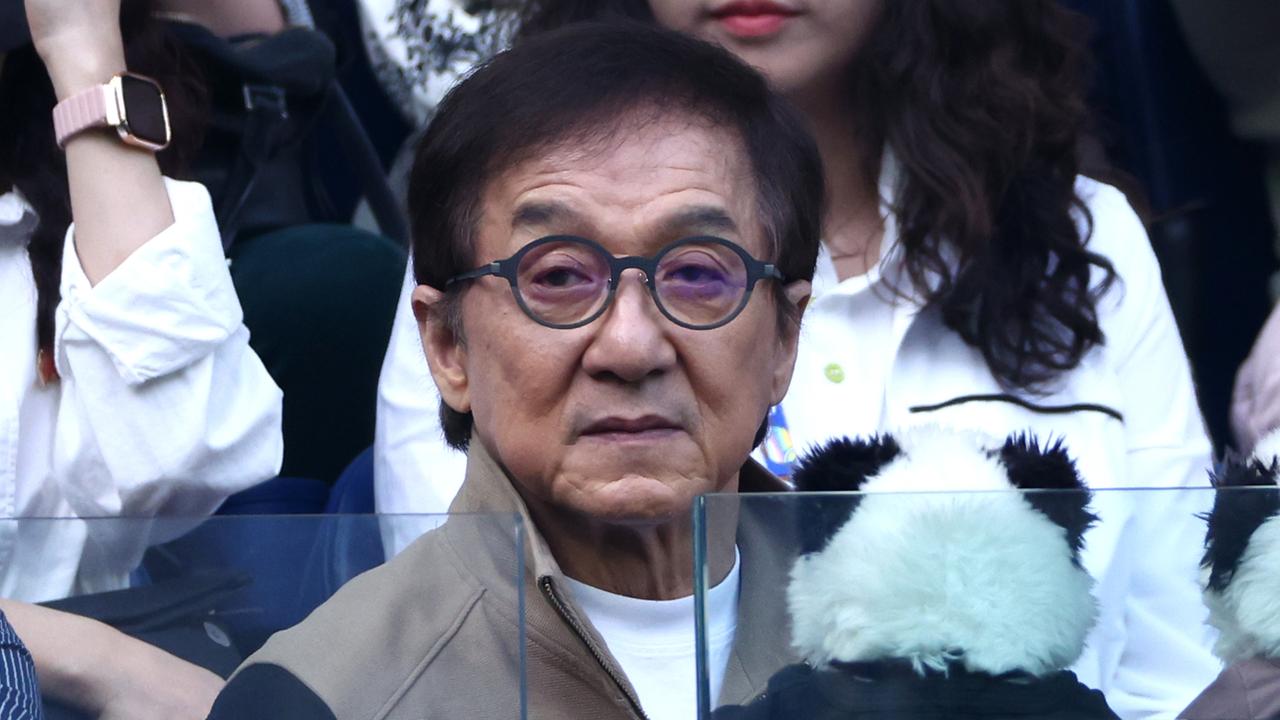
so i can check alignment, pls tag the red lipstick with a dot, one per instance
(753, 18)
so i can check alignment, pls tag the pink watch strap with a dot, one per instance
(86, 109)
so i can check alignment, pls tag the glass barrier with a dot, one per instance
(212, 591)
(975, 604)
(886, 604)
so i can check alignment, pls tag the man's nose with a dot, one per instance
(632, 340)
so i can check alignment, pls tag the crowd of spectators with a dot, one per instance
(625, 253)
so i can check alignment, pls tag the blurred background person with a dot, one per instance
(1255, 408)
(135, 392)
(284, 156)
(1238, 52)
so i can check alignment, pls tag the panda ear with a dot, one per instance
(1031, 467)
(1247, 497)
(842, 465)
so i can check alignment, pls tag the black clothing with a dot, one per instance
(894, 690)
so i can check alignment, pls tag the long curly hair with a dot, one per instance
(32, 163)
(983, 105)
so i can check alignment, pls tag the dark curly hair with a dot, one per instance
(32, 163)
(982, 103)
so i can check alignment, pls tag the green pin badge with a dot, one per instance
(834, 373)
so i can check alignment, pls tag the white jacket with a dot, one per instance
(869, 362)
(161, 409)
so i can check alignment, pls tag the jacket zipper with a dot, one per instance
(549, 591)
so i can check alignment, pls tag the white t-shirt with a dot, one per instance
(654, 642)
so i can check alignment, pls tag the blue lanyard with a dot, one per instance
(779, 451)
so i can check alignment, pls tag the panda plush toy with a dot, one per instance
(940, 591)
(1242, 588)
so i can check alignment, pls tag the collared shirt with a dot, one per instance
(19, 691)
(871, 361)
(161, 407)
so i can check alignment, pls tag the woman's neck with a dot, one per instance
(852, 229)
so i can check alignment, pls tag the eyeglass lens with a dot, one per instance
(699, 284)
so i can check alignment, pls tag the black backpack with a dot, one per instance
(275, 109)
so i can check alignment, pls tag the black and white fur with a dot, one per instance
(976, 575)
(1242, 556)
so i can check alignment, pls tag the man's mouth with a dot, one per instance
(643, 427)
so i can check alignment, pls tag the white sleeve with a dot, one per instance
(1166, 659)
(414, 470)
(164, 409)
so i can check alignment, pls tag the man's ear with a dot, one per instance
(446, 353)
(798, 294)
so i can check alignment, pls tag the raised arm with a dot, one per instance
(117, 194)
(162, 408)
(1255, 404)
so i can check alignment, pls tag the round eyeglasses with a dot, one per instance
(564, 281)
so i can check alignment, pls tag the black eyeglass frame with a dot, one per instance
(508, 268)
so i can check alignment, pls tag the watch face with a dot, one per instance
(144, 110)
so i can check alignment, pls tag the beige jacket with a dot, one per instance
(434, 633)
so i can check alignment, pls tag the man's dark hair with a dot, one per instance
(587, 84)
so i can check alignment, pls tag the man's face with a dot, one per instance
(625, 419)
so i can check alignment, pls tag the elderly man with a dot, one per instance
(614, 232)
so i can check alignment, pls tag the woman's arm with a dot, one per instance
(1255, 403)
(117, 194)
(163, 407)
(98, 669)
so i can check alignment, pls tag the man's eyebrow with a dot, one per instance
(685, 221)
(699, 219)
(543, 213)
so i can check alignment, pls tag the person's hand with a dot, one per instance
(1255, 403)
(143, 682)
(107, 674)
(79, 41)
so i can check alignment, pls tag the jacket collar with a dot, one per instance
(762, 644)
(487, 488)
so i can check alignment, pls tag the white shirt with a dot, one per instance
(865, 366)
(654, 642)
(161, 409)
(1150, 649)
(870, 361)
